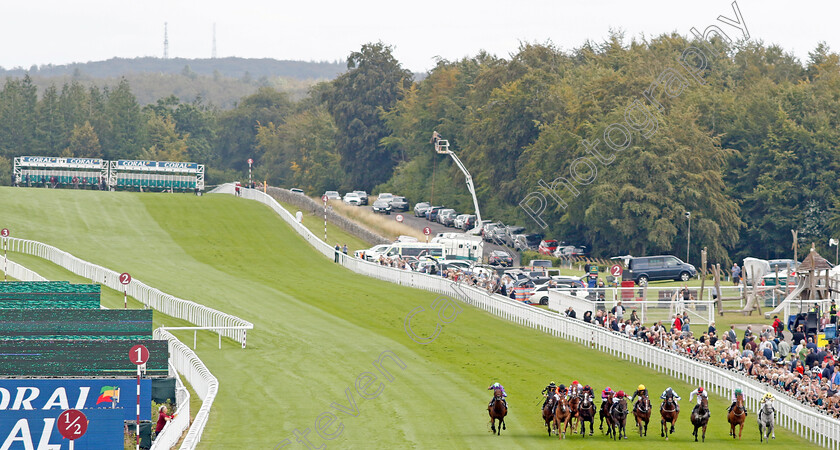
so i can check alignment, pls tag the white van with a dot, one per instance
(461, 246)
(416, 249)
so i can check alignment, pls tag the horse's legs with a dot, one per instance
(741, 430)
(662, 428)
(704, 430)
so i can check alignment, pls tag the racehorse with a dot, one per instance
(562, 414)
(669, 414)
(619, 417)
(700, 417)
(604, 413)
(574, 402)
(766, 421)
(641, 411)
(586, 413)
(737, 416)
(548, 411)
(497, 410)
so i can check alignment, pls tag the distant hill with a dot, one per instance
(221, 82)
(227, 67)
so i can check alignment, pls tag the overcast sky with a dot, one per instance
(61, 31)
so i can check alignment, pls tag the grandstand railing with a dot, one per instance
(21, 273)
(225, 324)
(802, 420)
(205, 385)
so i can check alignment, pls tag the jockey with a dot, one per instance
(549, 391)
(768, 397)
(606, 393)
(574, 389)
(561, 390)
(499, 386)
(735, 395)
(587, 392)
(618, 396)
(699, 392)
(669, 393)
(639, 392)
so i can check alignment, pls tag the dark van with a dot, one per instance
(654, 268)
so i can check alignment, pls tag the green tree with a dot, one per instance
(84, 142)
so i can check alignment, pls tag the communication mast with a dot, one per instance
(165, 41)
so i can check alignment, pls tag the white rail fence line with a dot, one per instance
(205, 385)
(802, 420)
(172, 431)
(21, 273)
(225, 324)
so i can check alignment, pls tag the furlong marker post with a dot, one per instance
(139, 355)
(325, 217)
(5, 234)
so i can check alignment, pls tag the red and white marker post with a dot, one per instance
(139, 355)
(125, 278)
(427, 231)
(616, 270)
(72, 424)
(5, 234)
(324, 198)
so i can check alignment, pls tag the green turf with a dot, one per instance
(318, 326)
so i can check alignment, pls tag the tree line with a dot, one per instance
(752, 152)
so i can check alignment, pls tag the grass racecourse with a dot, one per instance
(320, 328)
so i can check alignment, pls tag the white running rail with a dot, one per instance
(21, 273)
(172, 431)
(802, 420)
(225, 324)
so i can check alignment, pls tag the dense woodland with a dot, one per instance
(752, 152)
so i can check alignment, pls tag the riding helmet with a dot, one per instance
(641, 387)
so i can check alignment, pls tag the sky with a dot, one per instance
(60, 31)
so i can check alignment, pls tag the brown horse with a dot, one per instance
(548, 411)
(619, 417)
(604, 413)
(700, 417)
(586, 413)
(497, 410)
(574, 403)
(641, 411)
(669, 414)
(737, 416)
(562, 414)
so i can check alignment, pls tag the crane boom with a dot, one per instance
(442, 147)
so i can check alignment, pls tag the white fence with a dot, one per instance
(21, 273)
(203, 383)
(803, 420)
(700, 312)
(200, 315)
(171, 433)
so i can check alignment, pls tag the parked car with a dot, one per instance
(373, 253)
(385, 196)
(399, 204)
(469, 222)
(421, 208)
(404, 238)
(352, 198)
(527, 241)
(446, 216)
(569, 250)
(652, 268)
(332, 195)
(543, 263)
(458, 222)
(548, 246)
(432, 213)
(504, 235)
(362, 195)
(487, 230)
(783, 264)
(382, 206)
(296, 191)
(500, 258)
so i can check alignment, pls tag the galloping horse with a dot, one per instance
(641, 411)
(669, 414)
(766, 420)
(586, 413)
(497, 410)
(700, 417)
(604, 413)
(737, 416)
(574, 402)
(562, 414)
(619, 417)
(548, 411)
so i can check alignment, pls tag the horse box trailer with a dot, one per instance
(461, 246)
